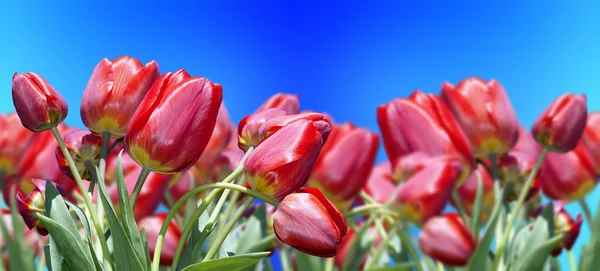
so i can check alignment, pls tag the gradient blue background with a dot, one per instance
(342, 58)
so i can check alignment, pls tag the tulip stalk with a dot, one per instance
(586, 211)
(459, 206)
(138, 185)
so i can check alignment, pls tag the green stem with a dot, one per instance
(572, 264)
(285, 261)
(411, 250)
(440, 266)
(212, 252)
(329, 264)
(138, 185)
(520, 202)
(170, 202)
(586, 211)
(460, 207)
(362, 209)
(382, 246)
(104, 150)
(367, 198)
(84, 193)
(358, 236)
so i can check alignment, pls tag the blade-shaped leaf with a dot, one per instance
(69, 245)
(82, 218)
(476, 211)
(308, 262)
(537, 247)
(232, 263)
(193, 252)
(397, 267)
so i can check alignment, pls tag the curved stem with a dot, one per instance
(586, 211)
(411, 250)
(138, 185)
(386, 239)
(572, 264)
(329, 264)
(520, 202)
(222, 235)
(362, 209)
(460, 207)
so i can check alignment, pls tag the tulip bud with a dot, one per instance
(446, 239)
(174, 122)
(249, 126)
(152, 226)
(114, 92)
(467, 193)
(425, 194)
(38, 104)
(515, 167)
(344, 164)
(14, 140)
(423, 123)
(411, 164)
(286, 102)
(320, 121)
(83, 147)
(35, 203)
(484, 113)
(591, 137)
(560, 127)
(563, 224)
(379, 185)
(568, 176)
(281, 164)
(309, 222)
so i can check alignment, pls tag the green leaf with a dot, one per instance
(53, 258)
(476, 211)
(69, 245)
(82, 218)
(537, 247)
(232, 263)
(97, 263)
(398, 267)
(548, 215)
(145, 244)
(308, 262)
(125, 256)
(193, 251)
(250, 235)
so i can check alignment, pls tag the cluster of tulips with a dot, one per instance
(162, 177)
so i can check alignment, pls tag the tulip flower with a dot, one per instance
(321, 122)
(411, 164)
(286, 102)
(220, 137)
(14, 140)
(281, 164)
(174, 122)
(467, 192)
(423, 123)
(309, 222)
(446, 239)
(345, 162)
(563, 224)
(515, 167)
(484, 113)
(560, 127)
(152, 226)
(39, 106)
(29, 206)
(84, 147)
(568, 176)
(526, 143)
(249, 127)
(591, 137)
(114, 92)
(379, 185)
(425, 194)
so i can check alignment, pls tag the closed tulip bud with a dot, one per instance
(344, 164)
(281, 164)
(84, 147)
(446, 239)
(29, 206)
(515, 167)
(467, 193)
(411, 164)
(568, 176)
(286, 102)
(14, 141)
(560, 127)
(249, 127)
(423, 123)
(114, 92)
(591, 137)
(425, 194)
(38, 104)
(321, 122)
(379, 185)
(152, 226)
(563, 224)
(484, 113)
(309, 222)
(174, 122)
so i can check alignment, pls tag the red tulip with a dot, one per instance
(220, 137)
(29, 206)
(114, 92)
(273, 125)
(467, 192)
(174, 122)
(152, 225)
(484, 113)
(568, 176)
(591, 137)
(83, 147)
(527, 143)
(560, 127)
(446, 239)
(249, 126)
(286, 102)
(423, 123)
(515, 167)
(425, 194)
(281, 164)
(309, 222)
(380, 186)
(563, 224)
(411, 164)
(14, 141)
(38, 104)
(345, 162)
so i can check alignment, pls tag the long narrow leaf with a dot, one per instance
(75, 255)
(476, 211)
(233, 263)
